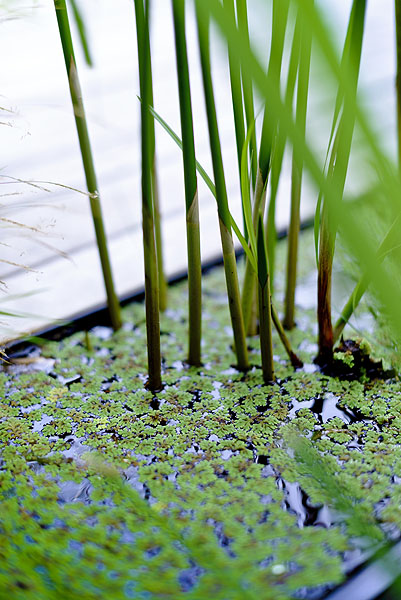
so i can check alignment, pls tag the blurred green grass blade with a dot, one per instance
(83, 36)
(398, 74)
(247, 88)
(387, 246)
(296, 175)
(278, 147)
(236, 95)
(245, 190)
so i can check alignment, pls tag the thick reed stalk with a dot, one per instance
(230, 266)
(191, 189)
(149, 245)
(296, 181)
(247, 89)
(265, 316)
(336, 175)
(155, 186)
(398, 75)
(87, 159)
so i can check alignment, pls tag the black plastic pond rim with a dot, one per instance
(100, 316)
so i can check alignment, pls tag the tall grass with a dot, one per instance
(282, 127)
(191, 187)
(87, 158)
(296, 176)
(230, 265)
(148, 221)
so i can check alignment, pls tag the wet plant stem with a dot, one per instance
(191, 189)
(336, 175)
(295, 360)
(155, 188)
(230, 266)
(264, 303)
(87, 160)
(149, 246)
(296, 179)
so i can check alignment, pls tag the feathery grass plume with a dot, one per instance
(296, 176)
(230, 265)
(87, 159)
(398, 74)
(247, 89)
(265, 318)
(149, 244)
(191, 187)
(336, 174)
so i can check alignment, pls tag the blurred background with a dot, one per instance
(49, 266)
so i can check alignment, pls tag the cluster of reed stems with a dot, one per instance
(298, 32)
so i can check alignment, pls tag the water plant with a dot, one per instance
(87, 158)
(215, 450)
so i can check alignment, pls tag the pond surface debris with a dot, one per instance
(216, 487)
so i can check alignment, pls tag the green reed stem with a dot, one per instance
(280, 14)
(296, 179)
(155, 188)
(265, 315)
(80, 23)
(249, 283)
(336, 175)
(230, 265)
(247, 89)
(191, 187)
(87, 159)
(149, 244)
(295, 360)
(279, 26)
(238, 105)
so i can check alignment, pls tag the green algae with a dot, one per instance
(108, 490)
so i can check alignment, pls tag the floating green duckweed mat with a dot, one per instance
(216, 487)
